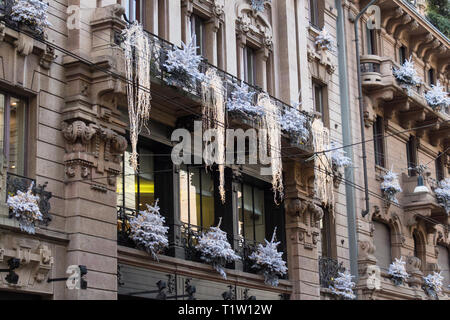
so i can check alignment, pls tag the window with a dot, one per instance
(12, 132)
(378, 139)
(249, 65)
(382, 241)
(316, 8)
(251, 213)
(152, 180)
(402, 55)
(198, 28)
(320, 101)
(444, 264)
(196, 196)
(439, 163)
(411, 151)
(134, 10)
(371, 41)
(327, 235)
(419, 248)
(431, 77)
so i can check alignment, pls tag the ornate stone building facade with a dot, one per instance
(63, 96)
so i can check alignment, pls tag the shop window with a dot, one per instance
(197, 197)
(251, 213)
(382, 241)
(12, 132)
(378, 139)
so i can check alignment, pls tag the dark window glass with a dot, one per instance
(314, 13)
(251, 213)
(198, 28)
(439, 167)
(378, 139)
(371, 41)
(402, 55)
(431, 77)
(326, 234)
(249, 65)
(318, 99)
(411, 151)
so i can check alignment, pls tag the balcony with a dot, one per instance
(184, 103)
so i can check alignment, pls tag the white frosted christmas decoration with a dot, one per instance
(269, 261)
(213, 102)
(258, 5)
(437, 98)
(271, 122)
(216, 250)
(241, 102)
(295, 123)
(442, 193)
(343, 286)
(147, 230)
(25, 209)
(338, 157)
(407, 77)
(183, 65)
(398, 271)
(137, 65)
(391, 186)
(323, 171)
(434, 281)
(32, 13)
(325, 41)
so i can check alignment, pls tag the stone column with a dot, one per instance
(186, 12)
(94, 143)
(212, 27)
(302, 235)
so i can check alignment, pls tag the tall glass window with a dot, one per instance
(378, 140)
(249, 65)
(134, 9)
(196, 197)
(198, 28)
(251, 213)
(12, 132)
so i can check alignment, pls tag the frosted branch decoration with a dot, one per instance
(294, 123)
(213, 102)
(442, 193)
(137, 65)
(343, 285)
(32, 13)
(434, 282)
(148, 230)
(269, 261)
(183, 65)
(24, 207)
(324, 41)
(407, 76)
(397, 271)
(391, 186)
(216, 250)
(241, 102)
(437, 98)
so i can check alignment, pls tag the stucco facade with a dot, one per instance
(72, 83)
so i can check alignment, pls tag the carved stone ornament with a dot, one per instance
(36, 259)
(373, 278)
(92, 152)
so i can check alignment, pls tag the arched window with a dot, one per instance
(382, 241)
(444, 264)
(419, 248)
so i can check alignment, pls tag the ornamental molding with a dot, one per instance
(92, 151)
(254, 25)
(36, 260)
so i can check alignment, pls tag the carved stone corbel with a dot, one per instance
(47, 57)
(24, 44)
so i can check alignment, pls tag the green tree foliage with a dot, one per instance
(439, 15)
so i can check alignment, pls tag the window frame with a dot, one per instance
(6, 129)
(431, 77)
(402, 53)
(372, 48)
(412, 155)
(321, 90)
(195, 20)
(378, 139)
(249, 68)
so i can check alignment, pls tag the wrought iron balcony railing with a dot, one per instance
(16, 183)
(189, 235)
(161, 47)
(328, 270)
